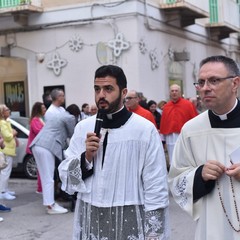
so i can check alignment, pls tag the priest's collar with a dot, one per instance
(110, 115)
(230, 119)
(225, 115)
(116, 119)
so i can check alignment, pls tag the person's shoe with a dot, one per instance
(6, 196)
(1, 219)
(11, 193)
(56, 209)
(38, 192)
(4, 208)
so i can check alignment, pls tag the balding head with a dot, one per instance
(132, 100)
(175, 92)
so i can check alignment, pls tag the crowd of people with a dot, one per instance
(120, 174)
(44, 118)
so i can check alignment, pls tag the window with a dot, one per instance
(213, 8)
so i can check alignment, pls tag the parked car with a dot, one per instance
(23, 162)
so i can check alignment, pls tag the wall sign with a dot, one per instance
(14, 96)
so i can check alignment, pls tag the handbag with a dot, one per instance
(3, 161)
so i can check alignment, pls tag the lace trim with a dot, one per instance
(120, 223)
(154, 224)
(180, 190)
(71, 176)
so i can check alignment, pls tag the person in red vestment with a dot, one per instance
(175, 114)
(132, 104)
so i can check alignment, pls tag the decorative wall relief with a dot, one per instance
(56, 63)
(154, 59)
(75, 43)
(118, 45)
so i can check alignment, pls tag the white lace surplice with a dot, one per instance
(125, 222)
(127, 196)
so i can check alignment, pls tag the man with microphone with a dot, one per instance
(119, 171)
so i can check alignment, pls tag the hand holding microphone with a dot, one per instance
(92, 141)
(98, 124)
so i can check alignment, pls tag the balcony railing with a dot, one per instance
(224, 18)
(224, 12)
(18, 3)
(20, 9)
(183, 13)
(197, 4)
(13, 3)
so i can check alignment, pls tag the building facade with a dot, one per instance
(44, 44)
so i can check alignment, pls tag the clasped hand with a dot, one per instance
(213, 169)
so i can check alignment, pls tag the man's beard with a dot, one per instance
(112, 107)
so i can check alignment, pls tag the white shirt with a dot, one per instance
(134, 169)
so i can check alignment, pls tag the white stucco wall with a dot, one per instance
(77, 76)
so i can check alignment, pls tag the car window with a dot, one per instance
(23, 121)
(20, 134)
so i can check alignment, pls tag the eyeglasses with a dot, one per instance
(212, 81)
(130, 98)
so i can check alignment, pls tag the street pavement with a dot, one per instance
(28, 219)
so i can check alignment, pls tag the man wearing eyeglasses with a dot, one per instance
(132, 104)
(205, 173)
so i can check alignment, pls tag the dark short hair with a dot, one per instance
(84, 105)
(151, 102)
(73, 109)
(112, 71)
(229, 63)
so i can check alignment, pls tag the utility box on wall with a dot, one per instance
(181, 56)
(5, 51)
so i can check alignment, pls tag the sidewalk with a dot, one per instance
(28, 219)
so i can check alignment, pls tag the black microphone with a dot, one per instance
(98, 124)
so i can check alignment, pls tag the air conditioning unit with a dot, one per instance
(4, 51)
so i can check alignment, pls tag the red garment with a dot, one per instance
(175, 115)
(144, 113)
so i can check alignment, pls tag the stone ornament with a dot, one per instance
(118, 45)
(142, 46)
(56, 64)
(171, 53)
(75, 43)
(154, 59)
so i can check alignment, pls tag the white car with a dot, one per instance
(23, 162)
